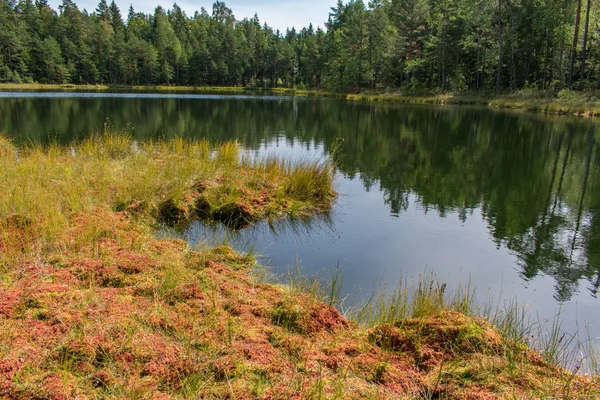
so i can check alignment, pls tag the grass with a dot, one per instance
(68, 86)
(566, 102)
(165, 88)
(40, 86)
(466, 346)
(171, 181)
(93, 305)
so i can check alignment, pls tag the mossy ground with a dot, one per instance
(92, 305)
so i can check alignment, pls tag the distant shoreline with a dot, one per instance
(576, 103)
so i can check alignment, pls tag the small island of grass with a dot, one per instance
(94, 305)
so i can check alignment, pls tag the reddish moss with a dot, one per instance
(224, 368)
(325, 318)
(389, 337)
(97, 315)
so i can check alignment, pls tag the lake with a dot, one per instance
(509, 202)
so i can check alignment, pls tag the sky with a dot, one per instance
(279, 14)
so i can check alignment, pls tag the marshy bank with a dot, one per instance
(225, 90)
(565, 102)
(93, 304)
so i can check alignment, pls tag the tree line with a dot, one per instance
(414, 45)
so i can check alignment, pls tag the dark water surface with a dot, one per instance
(509, 201)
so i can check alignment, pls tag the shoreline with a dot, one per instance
(162, 88)
(552, 106)
(92, 304)
(579, 106)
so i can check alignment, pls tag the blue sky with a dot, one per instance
(278, 14)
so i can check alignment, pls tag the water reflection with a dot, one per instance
(298, 230)
(535, 182)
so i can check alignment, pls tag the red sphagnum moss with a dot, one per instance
(126, 315)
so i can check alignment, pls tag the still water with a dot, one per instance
(509, 202)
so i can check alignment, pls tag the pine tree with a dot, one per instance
(102, 11)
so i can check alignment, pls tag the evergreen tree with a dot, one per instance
(167, 45)
(102, 10)
(417, 45)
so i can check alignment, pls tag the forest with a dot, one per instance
(411, 45)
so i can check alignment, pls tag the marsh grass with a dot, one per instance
(448, 334)
(326, 291)
(585, 104)
(423, 297)
(164, 180)
(174, 89)
(427, 297)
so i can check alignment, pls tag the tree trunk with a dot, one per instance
(553, 179)
(563, 173)
(545, 70)
(529, 51)
(585, 37)
(499, 76)
(478, 74)
(575, 37)
(513, 67)
(562, 46)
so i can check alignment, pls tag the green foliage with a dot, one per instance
(416, 45)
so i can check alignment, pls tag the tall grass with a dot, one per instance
(475, 343)
(298, 281)
(48, 184)
(310, 181)
(424, 297)
(427, 297)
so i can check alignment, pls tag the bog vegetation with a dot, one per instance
(406, 45)
(93, 305)
(172, 182)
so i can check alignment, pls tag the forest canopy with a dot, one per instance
(414, 45)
